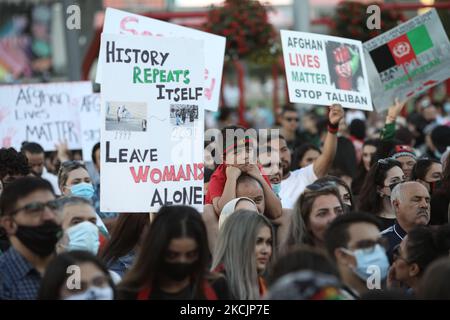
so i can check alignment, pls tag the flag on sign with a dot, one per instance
(402, 49)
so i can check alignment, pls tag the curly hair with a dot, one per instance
(13, 163)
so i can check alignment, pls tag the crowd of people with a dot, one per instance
(329, 210)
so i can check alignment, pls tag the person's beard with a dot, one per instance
(285, 168)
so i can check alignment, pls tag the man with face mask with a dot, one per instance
(411, 203)
(79, 225)
(353, 241)
(28, 215)
(13, 165)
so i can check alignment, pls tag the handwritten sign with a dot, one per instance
(325, 70)
(408, 60)
(44, 113)
(151, 123)
(90, 123)
(121, 22)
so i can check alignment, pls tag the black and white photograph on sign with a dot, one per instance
(126, 116)
(344, 65)
(184, 115)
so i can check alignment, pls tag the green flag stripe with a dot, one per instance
(419, 39)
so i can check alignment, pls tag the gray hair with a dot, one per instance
(235, 250)
(398, 192)
(72, 201)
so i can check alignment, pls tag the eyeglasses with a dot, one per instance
(386, 164)
(72, 163)
(316, 186)
(37, 207)
(289, 119)
(393, 185)
(387, 161)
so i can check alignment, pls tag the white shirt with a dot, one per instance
(50, 177)
(295, 184)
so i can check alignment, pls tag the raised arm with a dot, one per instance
(325, 160)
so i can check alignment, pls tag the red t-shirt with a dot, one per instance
(217, 182)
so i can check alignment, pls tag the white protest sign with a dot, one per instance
(90, 123)
(152, 124)
(122, 22)
(325, 70)
(44, 113)
(407, 60)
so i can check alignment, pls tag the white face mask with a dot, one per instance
(83, 236)
(93, 293)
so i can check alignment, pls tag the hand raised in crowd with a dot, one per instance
(395, 110)
(336, 114)
(62, 151)
(233, 172)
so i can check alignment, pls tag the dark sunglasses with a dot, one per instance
(291, 119)
(37, 207)
(316, 186)
(393, 185)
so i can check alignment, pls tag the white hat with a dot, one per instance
(230, 208)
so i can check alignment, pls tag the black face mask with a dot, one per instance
(178, 271)
(41, 240)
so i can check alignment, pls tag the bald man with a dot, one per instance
(247, 186)
(411, 203)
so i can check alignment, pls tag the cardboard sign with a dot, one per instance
(44, 113)
(151, 123)
(325, 70)
(90, 123)
(122, 22)
(407, 60)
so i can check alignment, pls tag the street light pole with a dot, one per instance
(301, 15)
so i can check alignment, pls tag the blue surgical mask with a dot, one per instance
(367, 259)
(276, 187)
(83, 236)
(93, 293)
(83, 190)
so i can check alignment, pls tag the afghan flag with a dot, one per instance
(402, 49)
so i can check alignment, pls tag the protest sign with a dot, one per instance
(407, 60)
(324, 70)
(122, 22)
(152, 123)
(90, 123)
(44, 113)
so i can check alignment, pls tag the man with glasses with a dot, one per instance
(290, 126)
(27, 213)
(411, 203)
(354, 243)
